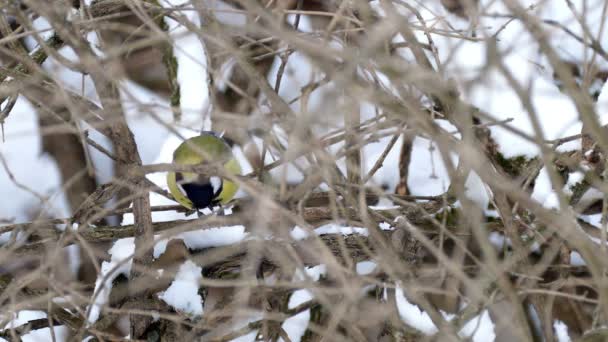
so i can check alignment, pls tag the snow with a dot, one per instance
(561, 331)
(498, 240)
(476, 191)
(226, 14)
(386, 226)
(543, 191)
(205, 238)
(182, 294)
(479, 328)
(427, 173)
(365, 267)
(602, 103)
(576, 259)
(296, 325)
(120, 263)
(412, 315)
(23, 154)
(574, 179)
(331, 228)
(24, 316)
(148, 116)
(21, 317)
(191, 57)
(251, 337)
(62, 333)
(590, 196)
(490, 91)
(298, 73)
(147, 113)
(466, 60)
(43, 28)
(594, 220)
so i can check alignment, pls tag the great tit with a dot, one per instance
(199, 191)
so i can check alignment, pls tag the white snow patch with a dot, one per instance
(543, 191)
(365, 267)
(24, 316)
(476, 191)
(479, 328)
(386, 226)
(298, 233)
(191, 57)
(331, 228)
(148, 114)
(182, 294)
(62, 333)
(590, 196)
(561, 331)
(296, 325)
(21, 317)
(22, 151)
(205, 238)
(384, 204)
(498, 240)
(573, 179)
(120, 263)
(594, 220)
(412, 315)
(427, 173)
(576, 259)
(43, 28)
(214, 237)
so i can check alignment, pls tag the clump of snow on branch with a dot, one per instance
(182, 294)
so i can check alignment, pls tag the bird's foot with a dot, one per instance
(189, 212)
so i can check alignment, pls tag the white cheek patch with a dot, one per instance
(181, 189)
(216, 184)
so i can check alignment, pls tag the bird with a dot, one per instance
(197, 191)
